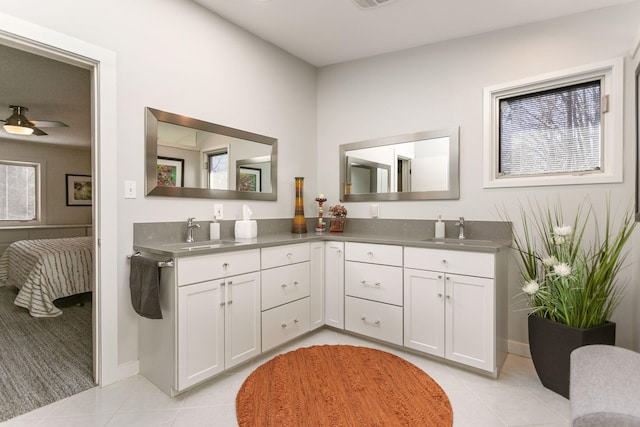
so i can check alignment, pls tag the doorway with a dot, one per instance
(101, 63)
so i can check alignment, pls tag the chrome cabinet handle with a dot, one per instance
(284, 285)
(225, 265)
(370, 254)
(375, 322)
(365, 283)
(289, 255)
(284, 325)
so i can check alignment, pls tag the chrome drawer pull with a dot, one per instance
(284, 325)
(365, 283)
(284, 285)
(289, 255)
(375, 322)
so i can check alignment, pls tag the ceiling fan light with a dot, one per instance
(18, 130)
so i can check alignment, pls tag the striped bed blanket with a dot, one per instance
(47, 269)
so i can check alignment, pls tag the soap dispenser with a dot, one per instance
(439, 228)
(214, 229)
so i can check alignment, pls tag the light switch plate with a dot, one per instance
(129, 189)
(375, 210)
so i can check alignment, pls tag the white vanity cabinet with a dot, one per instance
(373, 290)
(211, 319)
(452, 305)
(316, 292)
(286, 285)
(334, 284)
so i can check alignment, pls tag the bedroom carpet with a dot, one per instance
(43, 360)
(341, 385)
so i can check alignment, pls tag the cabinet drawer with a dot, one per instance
(284, 284)
(459, 262)
(381, 283)
(373, 253)
(283, 323)
(200, 268)
(276, 256)
(374, 319)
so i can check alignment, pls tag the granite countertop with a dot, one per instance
(182, 249)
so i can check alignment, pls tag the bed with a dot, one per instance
(47, 269)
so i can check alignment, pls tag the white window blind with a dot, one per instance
(18, 186)
(554, 131)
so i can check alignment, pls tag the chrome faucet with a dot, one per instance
(190, 227)
(460, 225)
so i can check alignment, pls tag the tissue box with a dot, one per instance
(246, 229)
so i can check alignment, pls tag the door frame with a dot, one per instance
(35, 39)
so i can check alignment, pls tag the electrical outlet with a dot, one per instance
(217, 211)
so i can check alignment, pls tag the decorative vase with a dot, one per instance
(551, 344)
(299, 222)
(337, 225)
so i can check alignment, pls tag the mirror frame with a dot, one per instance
(454, 174)
(153, 116)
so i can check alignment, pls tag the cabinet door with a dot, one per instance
(242, 318)
(200, 332)
(424, 311)
(470, 321)
(316, 310)
(334, 284)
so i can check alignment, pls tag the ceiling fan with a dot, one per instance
(19, 124)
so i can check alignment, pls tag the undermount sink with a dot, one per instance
(207, 244)
(461, 242)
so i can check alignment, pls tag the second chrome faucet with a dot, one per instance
(460, 225)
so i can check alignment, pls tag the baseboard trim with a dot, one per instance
(518, 348)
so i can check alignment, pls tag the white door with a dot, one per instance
(317, 285)
(424, 311)
(200, 332)
(469, 321)
(242, 318)
(334, 284)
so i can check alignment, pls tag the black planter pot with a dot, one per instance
(551, 344)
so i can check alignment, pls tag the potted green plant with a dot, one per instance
(569, 283)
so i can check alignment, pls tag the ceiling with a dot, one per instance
(324, 32)
(321, 32)
(51, 90)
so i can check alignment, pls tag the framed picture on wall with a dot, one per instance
(250, 179)
(170, 172)
(79, 190)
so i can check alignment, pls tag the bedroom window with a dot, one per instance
(19, 188)
(558, 129)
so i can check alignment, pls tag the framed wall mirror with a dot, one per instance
(187, 157)
(416, 166)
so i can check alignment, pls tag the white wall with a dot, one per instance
(440, 86)
(174, 55)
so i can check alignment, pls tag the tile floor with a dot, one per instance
(515, 399)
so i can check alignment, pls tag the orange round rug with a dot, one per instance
(341, 385)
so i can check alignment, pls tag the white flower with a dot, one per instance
(559, 240)
(562, 230)
(549, 261)
(531, 287)
(562, 269)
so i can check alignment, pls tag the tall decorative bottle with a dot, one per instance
(299, 222)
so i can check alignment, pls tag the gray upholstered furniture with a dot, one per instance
(605, 386)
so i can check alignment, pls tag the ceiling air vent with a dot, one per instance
(366, 4)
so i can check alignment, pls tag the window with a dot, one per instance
(19, 185)
(218, 169)
(557, 129)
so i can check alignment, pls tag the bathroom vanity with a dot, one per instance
(226, 304)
